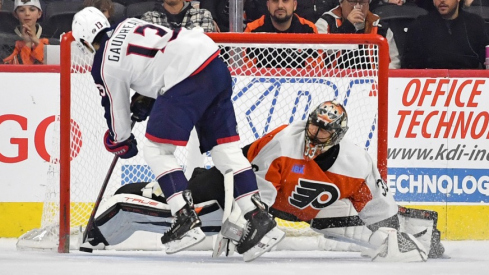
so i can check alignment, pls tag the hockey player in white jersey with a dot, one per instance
(191, 86)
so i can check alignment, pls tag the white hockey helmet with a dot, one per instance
(87, 24)
(330, 116)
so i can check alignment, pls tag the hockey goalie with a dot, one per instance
(306, 171)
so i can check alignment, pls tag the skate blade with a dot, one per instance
(270, 240)
(191, 238)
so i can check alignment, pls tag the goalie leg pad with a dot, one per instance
(395, 246)
(123, 214)
(339, 222)
(422, 225)
(233, 222)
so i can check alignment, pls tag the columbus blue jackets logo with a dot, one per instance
(316, 194)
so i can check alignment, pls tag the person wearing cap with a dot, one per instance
(354, 16)
(30, 49)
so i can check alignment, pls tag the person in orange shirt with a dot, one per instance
(29, 50)
(281, 19)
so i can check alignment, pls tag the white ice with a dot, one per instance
(466, 257)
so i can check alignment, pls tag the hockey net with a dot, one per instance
(277, 79)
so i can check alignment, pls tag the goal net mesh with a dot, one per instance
(274, 83)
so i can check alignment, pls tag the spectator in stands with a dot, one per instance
(307, 9)
(354, 16)
(446, 38)
(179, 13)
(30, 49)
(281, 18)
(105, 6)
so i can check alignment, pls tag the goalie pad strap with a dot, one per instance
(392, 222)
(324, 223)
(284, 216)
(419, 214)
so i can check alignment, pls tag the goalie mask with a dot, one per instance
(87, 24)
(325, 127)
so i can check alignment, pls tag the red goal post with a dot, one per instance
(234, 48)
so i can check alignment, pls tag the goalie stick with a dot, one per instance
(91, 220)
(221, 243)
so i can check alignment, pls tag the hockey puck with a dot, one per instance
(86, 249)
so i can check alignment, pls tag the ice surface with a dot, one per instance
(466, 257)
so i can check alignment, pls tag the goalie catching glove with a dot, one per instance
(125, 149)
(141, 107)
(395, 246)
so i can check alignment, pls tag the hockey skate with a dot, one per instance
(185, 230)
(261, 232)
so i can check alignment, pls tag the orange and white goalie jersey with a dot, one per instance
(290, 184)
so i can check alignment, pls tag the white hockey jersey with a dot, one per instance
(149, 59)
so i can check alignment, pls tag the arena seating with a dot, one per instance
(8, 22)
(398, 19)
(58, 17)
(119, 13)
(480, 3)
(7, 18)
(482, 11)
(138, 9)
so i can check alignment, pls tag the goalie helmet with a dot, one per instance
(87, 24)
(329, 116)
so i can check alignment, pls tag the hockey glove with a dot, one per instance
(125, 150)
(141, 107)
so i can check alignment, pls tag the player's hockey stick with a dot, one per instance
(99, 199)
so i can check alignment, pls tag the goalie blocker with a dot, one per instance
(142, 207)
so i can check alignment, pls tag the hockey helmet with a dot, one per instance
(87, 24)
(330, 116)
